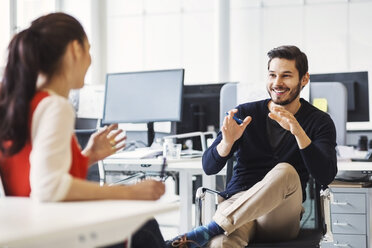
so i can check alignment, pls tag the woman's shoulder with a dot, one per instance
(56, 104)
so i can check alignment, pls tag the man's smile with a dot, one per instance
(279, 91)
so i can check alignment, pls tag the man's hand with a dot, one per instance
(287, 121)
(231, 131)
(104, 143)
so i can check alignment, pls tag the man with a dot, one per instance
(280, 142)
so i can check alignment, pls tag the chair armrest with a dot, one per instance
(325, 199)
(199, 203)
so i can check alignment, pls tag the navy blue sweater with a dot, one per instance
(255, 157)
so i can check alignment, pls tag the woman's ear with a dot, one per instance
(76, 49)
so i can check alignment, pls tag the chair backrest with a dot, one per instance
(228, 99)
(336, 95)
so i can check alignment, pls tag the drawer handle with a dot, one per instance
(340, 224)
(340, 203)
(341, 245)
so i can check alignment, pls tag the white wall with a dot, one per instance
(16, 15)
(5, 32)
(334, 34)
(131, 35)
(148, 34)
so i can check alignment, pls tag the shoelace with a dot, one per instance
(182, 242)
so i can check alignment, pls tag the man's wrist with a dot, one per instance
(223, 148)
(303, 140)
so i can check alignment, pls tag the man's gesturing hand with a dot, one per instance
(287, 121)
(231, 131)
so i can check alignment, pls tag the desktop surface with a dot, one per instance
(354, 171)
(26, 223)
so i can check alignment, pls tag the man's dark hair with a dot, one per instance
(290, 53)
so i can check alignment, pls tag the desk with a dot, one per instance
(24, 223)
(185, 167)
(354, 166)
(350, 211)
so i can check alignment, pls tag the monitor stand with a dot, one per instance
(150, 133)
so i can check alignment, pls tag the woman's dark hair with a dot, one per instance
(38, 49)
(290, 53)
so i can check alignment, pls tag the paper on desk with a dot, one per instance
(321, 103)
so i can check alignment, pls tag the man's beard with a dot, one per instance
(292, 96)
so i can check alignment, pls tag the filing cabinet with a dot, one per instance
(350, 217)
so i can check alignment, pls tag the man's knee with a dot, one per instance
(285, 170)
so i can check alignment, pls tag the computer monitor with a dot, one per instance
(201, 110)
(143, 97)
(359, 114)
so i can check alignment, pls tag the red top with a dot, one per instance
(15, 170)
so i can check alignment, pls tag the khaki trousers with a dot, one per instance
(270, 210)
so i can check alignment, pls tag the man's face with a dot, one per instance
(283, 84)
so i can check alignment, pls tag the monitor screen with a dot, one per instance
(201, 104)
(143, 97)
(359, 104)
(201, 110)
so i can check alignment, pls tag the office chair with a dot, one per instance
(336, 95)
(307, 238)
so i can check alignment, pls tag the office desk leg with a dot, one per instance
(210, 202)
(101, 171)
(185, 201)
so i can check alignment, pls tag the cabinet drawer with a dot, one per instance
(348, 203)
(348, 223)
(350, 241)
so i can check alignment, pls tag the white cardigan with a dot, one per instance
(51, 130)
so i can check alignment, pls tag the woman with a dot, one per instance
(39, 153)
